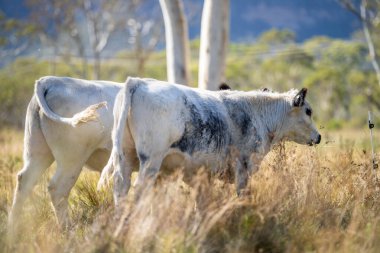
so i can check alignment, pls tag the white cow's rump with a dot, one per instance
(50, 136)
(168, 126)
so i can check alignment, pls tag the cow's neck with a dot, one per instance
(275, 113)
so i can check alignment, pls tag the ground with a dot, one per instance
(303, 199)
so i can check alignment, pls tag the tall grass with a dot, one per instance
(323, 199)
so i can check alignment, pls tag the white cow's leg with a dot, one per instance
(122, 181)
(241, 175)
(245, 167)
(148, 172)
(26, 180)
(123, 171)
(60, 187)
(37, 158)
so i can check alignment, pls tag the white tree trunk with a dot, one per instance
(371, 47)
(177, 41)
(214, 41)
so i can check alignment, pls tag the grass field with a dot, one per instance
(303, 199)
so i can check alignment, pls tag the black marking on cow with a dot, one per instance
(245, 122)
(143, 157)
(209, 133)
(239, 114)
(120, 157)
(257, 140)
(133, 89)
(308, 112)
(245, 162)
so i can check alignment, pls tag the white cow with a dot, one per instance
(50, 135)
(163, 126)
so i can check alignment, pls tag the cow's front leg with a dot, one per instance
(241, 175)
(245, 167)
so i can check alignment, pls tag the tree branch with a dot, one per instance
(347, 4)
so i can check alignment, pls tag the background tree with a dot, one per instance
(51, 18)
(103, 18)
(15, 36)
(277, 37)
(82, 27)
(333, 72)
(144, 36)
(367, 12)
(177, 41)
(214, 41)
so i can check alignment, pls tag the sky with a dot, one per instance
(306, 18)
(249, 18)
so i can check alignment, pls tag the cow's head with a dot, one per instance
(298, 125)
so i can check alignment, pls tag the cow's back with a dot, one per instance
(184, 121)
(67, 96)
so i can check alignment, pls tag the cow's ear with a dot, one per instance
(224, 86)
(299, 99)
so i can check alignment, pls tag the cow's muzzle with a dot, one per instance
(318, 139)
(315, 142)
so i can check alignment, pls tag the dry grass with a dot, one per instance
(323, 199)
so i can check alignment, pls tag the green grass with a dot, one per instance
(303, 199)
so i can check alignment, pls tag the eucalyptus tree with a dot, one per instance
(177, 41)
(214, 42)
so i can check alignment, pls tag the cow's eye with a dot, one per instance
(308, 112)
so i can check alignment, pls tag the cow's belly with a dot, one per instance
(98, 159)
(190, 164)
(171, 163)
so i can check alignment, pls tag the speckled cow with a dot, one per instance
(161, 126)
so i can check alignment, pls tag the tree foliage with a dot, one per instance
(83, 29)
(339, 73)
(277, 37)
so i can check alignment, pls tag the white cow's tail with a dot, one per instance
(86, 115)
(121, 109)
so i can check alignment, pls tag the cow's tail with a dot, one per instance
(121, 109)
(41, 88)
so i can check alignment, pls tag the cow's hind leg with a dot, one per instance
(37, 158)
(149, 168)
(34, 167)
(60, 186)
(122, 177)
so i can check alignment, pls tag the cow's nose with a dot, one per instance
(318, 139)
